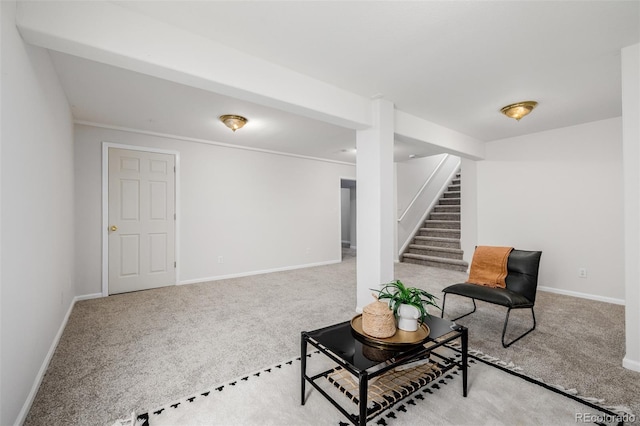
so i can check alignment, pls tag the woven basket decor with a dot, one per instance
(378, 320)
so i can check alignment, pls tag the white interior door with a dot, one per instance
(141, 220)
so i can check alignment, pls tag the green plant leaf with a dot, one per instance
(399, 294)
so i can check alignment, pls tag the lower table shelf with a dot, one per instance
(387, 389)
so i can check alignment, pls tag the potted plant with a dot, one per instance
(409, 304)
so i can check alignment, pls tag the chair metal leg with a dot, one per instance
(506, 321)
(504, 329)
(444, 299)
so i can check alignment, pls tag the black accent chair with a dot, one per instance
(520, 292)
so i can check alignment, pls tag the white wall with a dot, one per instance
(37, 215)
(561, 192)
(631, 150)
(260, 212)
(411, 175)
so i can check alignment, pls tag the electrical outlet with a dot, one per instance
(220, 259)
(582, 273)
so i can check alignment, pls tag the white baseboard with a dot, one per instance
(22, 416)
(248, 274)
(87, 297)
(630, 364)
(583, 295)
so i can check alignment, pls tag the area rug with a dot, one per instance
(272, 396)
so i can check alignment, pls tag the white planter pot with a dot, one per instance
(408, 317)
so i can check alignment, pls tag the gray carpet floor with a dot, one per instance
(139, 350)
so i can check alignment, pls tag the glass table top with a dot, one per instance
(344, 342)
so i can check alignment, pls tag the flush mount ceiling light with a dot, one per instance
(519, 109)
(234, 122)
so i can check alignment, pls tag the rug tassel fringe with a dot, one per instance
(509, 365)
(618, 409)
(129, 421)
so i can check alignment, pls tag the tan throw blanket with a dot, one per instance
(489, 266)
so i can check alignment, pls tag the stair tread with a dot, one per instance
(440, 239)
(435, 248)
(436, 259)
(441, 221)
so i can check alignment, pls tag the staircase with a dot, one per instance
(438, 242)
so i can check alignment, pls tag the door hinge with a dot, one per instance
(175, 264)
(174, 216)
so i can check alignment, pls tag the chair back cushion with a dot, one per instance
(522, 276)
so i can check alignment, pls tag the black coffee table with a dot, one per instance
(353, 353)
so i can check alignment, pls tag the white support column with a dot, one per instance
(631, 165)
(375, 202)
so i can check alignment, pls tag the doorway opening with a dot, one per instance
(348, 227)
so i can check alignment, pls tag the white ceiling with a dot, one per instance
(454, 63)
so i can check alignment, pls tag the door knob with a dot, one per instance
(114, 228)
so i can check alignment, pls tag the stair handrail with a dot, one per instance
(444, 158)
